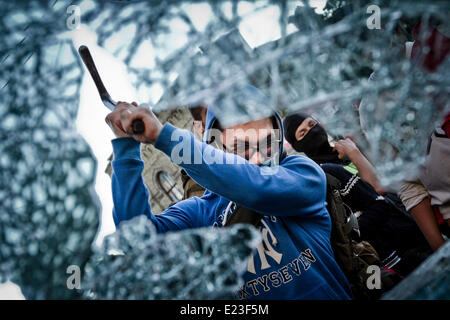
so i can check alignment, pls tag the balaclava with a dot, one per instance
(314, 144)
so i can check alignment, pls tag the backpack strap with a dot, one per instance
(241, 215)
(352, 223)
(333, 184)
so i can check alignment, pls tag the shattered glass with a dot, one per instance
(48, 209)
(324, 69)
(430, 281)
(137, 263)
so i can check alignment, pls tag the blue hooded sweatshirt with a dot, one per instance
(294, 260)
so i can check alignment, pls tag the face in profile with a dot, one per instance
(304, 128)
(306, 135)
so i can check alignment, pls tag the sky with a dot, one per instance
(256, 30)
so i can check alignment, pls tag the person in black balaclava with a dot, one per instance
(306, 135)
(383, 222)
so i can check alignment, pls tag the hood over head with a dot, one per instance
(247, 91)
(291, 123)
(314, 144)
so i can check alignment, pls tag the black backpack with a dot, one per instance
(353, 255)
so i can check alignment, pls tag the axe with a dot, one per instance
(138, 125)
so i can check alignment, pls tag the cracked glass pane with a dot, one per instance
(137, 263)
(336, 65)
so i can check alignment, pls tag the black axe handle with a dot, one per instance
(138, 125)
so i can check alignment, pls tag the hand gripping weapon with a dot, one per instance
(138, 125)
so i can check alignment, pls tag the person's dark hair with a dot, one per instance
(218, 126)
(274, 122)
(291, 123)
(196, 112)
(215, 125)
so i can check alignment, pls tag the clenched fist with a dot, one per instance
(121, 119)
(346, 148)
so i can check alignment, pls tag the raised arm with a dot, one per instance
(130, 196)
(347, 149)
(298, 183)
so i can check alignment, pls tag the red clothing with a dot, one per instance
(438, 215)
(446, 125)
(427, 38)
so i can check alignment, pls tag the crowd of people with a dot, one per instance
(242, 174)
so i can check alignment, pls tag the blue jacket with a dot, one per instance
(295, 260)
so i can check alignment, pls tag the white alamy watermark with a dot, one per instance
(374, 280)
(374, 20)
(74, 279)
(73, 21)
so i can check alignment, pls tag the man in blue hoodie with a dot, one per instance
(295, 259)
